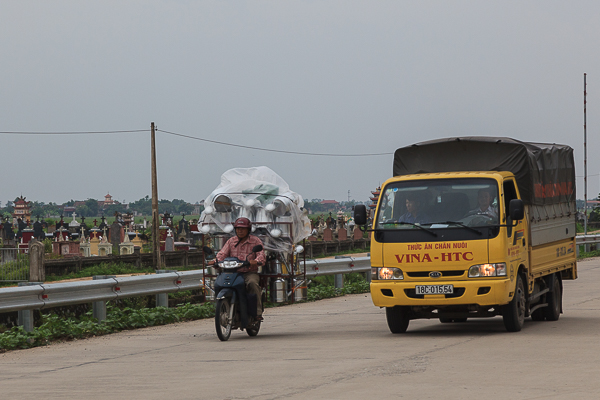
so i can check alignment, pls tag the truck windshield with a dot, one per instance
(439, 203)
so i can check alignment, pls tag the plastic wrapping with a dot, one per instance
(277, 214)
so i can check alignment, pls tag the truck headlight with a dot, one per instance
(486, 270)
(386, 273)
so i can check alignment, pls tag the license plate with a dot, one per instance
(434, 289)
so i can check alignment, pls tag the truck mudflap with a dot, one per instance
(483, 292)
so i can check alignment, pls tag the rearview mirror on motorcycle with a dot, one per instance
(257, 248)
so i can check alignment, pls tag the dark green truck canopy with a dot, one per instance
(545, 173)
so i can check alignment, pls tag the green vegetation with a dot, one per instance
(322, 287)
(56, 328)
(589, 254)
(105, 268)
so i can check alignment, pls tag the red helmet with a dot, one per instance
(242, 223)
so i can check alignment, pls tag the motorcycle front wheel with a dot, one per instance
(222, 320)
(253, 329)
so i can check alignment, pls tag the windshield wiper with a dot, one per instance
(409, 223)
(477, 231)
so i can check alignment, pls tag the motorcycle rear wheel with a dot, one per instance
(222, 320)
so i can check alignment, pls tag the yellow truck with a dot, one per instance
(474, 227)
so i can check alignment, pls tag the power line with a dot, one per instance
(273, 150)
(194, 138)
(72, 133)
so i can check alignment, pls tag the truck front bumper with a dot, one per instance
(483, 292)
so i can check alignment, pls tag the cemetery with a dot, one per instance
(71, 244)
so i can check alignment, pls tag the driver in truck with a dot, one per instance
(240, 246)
(413, 214)
(484, 205)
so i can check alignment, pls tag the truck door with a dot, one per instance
(516, 237)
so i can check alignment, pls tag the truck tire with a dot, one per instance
(552, 312)
(397, 318)
(513, 314)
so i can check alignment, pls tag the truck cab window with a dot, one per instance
(438, 204)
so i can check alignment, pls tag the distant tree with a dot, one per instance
(110, 210)
(70, 203)
(92, 205)
(595, 214)
(142, 206)
(83, 211)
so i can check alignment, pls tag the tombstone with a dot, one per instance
(342, 234)
(327, 234)
(127, 247)
(21, 224)
(8, 230)
(86, 229)
(183, 229)
(104, 247)
(312, 239)
(162, 236)
(103, 224)
(137, 241)
(169, 242)
(357, 234)
(74, 225)
(38, 230)
(116, 233)
(37, 273)
(84, 245)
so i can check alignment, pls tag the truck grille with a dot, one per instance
(425, 274)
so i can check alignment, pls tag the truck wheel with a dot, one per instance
(397, 318)
(445, 320)
(552, 312)
(513, 314)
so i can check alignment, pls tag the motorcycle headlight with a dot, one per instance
(487, 270)
(230, 264)
(387, 273)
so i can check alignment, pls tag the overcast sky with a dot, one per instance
(344, 77)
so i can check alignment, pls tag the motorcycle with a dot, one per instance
(234, 307)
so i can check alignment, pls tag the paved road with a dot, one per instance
(332, 349)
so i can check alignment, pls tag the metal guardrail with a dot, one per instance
(48, 295)
(336, 266)
(587, 239)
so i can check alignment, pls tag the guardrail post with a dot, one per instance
(25, 317)
(338, 279)
(162, 299)
(99, 307)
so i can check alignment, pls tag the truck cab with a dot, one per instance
(455, 245)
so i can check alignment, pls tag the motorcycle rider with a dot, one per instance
(240, 246)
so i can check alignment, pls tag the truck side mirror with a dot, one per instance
(360, 214)
(516, 209)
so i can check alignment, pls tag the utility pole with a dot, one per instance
(155, 222)
(584, 155)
